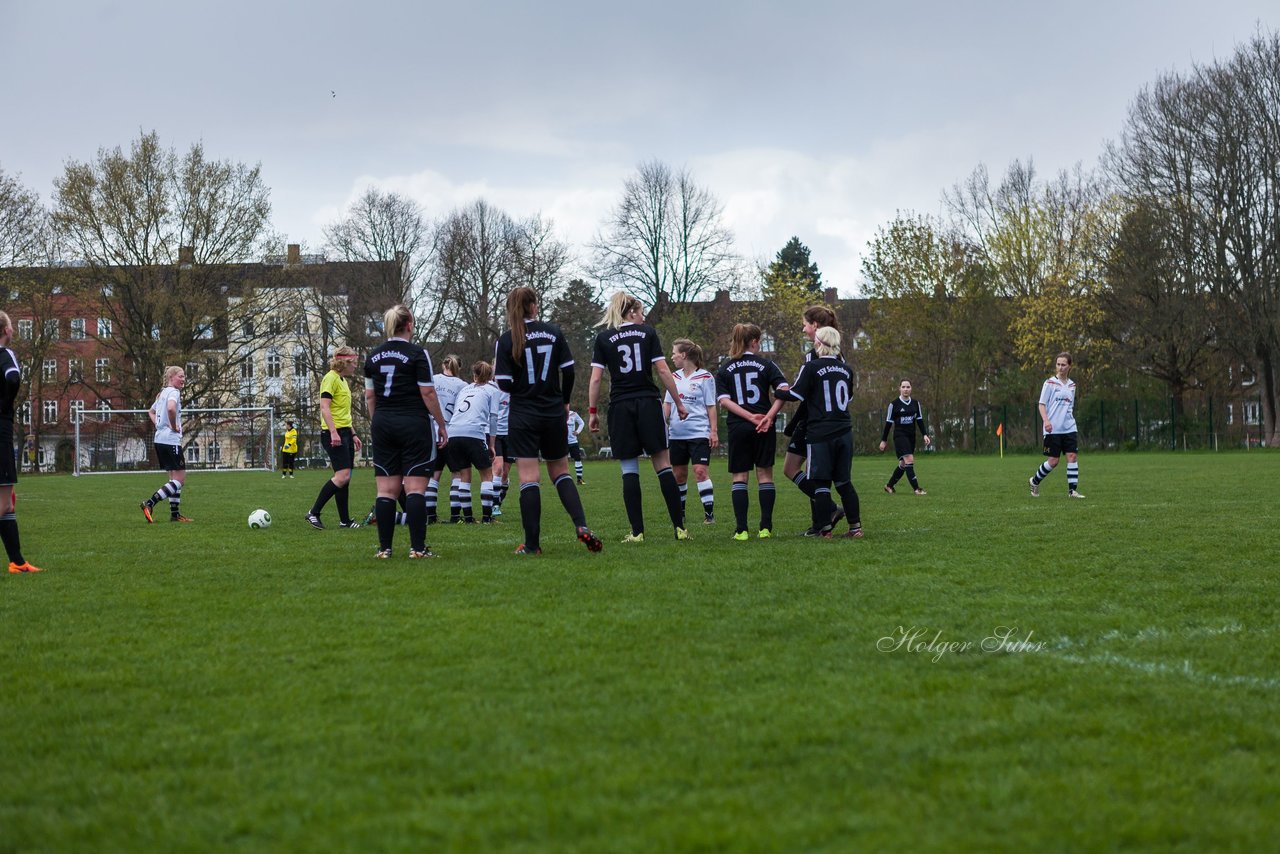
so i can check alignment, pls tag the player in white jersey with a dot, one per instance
(576, 425)
(1057, 412)
(471, 444)
(502, 459)
(166, 415)
(698, 435)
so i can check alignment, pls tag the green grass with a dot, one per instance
(198, 687)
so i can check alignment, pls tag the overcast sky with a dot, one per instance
(814, 119)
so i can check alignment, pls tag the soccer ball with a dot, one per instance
(259, 519)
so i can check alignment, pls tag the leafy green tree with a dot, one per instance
(793, 263)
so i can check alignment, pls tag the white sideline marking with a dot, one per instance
(1062, 646)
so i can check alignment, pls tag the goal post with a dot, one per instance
(109, 441)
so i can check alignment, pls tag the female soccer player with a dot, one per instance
(448, 384)
(825, 385)
(8, 466)
(1057, 412)
(902, 417)
(401, 397)
(289, 450)
(576, 426)
(166, 416)
(630, 350)
(471, 444)
(337, 438)
(534, 365)
(742, 387)
(698, 435)
(794, 460)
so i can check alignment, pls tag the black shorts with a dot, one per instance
(904, 443)
(341, 456)
(530, 436)
(830, 460)
(636, 427)
(440, 462)
(403, 444)
(575, 451)
(502, 446)
(464, 452)
(749, 449)
(171, 457)
(685, 451)
(798, 431)
(1057, 444)
(8, 462)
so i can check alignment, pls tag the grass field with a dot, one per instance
(202, 687)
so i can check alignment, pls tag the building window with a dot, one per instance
(192, 371)
(193, 452)
(51, 412)
(104, 327)
(49, 371)
(104, 407)
(1252, 413)
(75, 370)
(51, 329)
(274, 363)
(246, 369)
(204, 330)
(766, 343)
(373, 326)
(155, 332)
(300, 325)
(275, 325)
(102, 370)
(77, 329)
(25, 412)
(25, 329)
(246, 329)
(215, 452)
(300, 368)
(76, 411)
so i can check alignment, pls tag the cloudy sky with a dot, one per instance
(818, 119)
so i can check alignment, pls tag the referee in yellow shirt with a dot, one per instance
(289, 450)
(337, 438)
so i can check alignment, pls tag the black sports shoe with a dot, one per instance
(521, 550)
(314, 521)
(352, 524)
(589, 539)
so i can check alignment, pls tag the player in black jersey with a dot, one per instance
(743, 384)
(903, 417)
(534, 365)
(401, 398)
(825, 384)
(793, 461)
(629, 349)
(8, 465)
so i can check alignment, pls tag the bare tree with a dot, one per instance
(23, 225)
(163, 238)
(476, 268)
(666, 238)
(540, 258)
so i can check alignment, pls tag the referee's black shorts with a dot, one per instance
(530, 436)
(343, 455)
(749, 449)
(402, 444)
(635, 427)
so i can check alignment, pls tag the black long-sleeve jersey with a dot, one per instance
(825, 386)
(541, 381)
(902, 417)
(628, 352)
(746, 380)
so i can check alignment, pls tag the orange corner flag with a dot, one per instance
(1000, 429)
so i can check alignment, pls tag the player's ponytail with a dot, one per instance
(821, 315)
(169, 373)
(826, 341)
(691, 352)
(452, 364)
(481, 372)
(521, 303)
(620, 305)
(743, 335)
(397, 320)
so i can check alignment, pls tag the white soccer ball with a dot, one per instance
(259, 519)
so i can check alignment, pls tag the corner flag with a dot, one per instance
(1000, 433)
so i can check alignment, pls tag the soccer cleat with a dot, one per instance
(314, 521)
(764, 534)
(888, 489)
(352, 524)
(521, 550)
(497, 511)
(371, 516)
(682, 534)
(468, 520)
(382, 554)
(487, 520)
(146, 511)
(16, 568)
(1035, 487)
(1074, 494)
(709, 519)
(581, 482)
(837, 515)
(283, 476)
(634, 538)
(414, 554)
(588, 538)
(180, 518)
(742, 536)
(811, 533)
(920, 492)
(852, 534)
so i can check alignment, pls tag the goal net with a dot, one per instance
(121, 440)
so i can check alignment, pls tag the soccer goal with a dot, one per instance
(121, 440)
